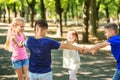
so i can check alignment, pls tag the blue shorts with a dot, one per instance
(19, 63)
(116, 75)
(44, 76)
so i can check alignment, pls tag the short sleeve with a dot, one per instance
(114, 40)
(54, 44)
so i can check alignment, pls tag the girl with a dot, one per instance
(71, 59)
(13, 43)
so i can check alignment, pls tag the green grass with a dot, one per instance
(98, 67)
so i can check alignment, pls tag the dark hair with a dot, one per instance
(42, 23)
(112, 26)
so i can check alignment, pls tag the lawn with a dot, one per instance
(97, 67)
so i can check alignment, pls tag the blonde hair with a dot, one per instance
(16, 21)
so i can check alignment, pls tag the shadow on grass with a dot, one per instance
(2, 39)
(98, 67)
(6, 71)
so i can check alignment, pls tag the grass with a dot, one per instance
(98, 67)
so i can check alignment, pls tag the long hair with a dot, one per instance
(11, 31)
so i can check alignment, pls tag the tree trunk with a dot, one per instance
(65, 14)
(43, 11)
(86, 19)
(107, 13)
(27, 12)
(118, 16)
(4, 13)
(59, 12)
(22, 12)
(32, 5)
(0, 13)
(15, 11)
(97, 13)
(32, 17)
(72, 10)
(93, 29)
(8, 13)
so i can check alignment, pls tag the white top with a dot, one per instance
(71, 58)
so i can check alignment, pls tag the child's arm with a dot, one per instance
(24, 37)
(19, 44)
(96, 47)
(69, 46)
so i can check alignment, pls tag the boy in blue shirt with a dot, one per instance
(111, 32)
(40, 52)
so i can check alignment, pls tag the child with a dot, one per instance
(111, 32)
(71, 58)
(40, 52)
(13, 43)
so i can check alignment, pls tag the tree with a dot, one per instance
(85, 20)
(97, 12)
(22, 11)
(43, 11)
(59, 10)
(32, 8)
(93, 17)
(15, 9)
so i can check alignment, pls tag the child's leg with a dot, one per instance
(17, 65)
(46, 76)
(25, 70)
(116, 75)
(19, 73)
(25, 64)
(72, 75)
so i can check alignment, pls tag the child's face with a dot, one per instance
(109, 33)
(71, 36)
(40, 31)
(20, 27)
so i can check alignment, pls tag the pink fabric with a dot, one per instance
(19, 53)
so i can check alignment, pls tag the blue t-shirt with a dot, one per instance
(40, 54)
(115, 48)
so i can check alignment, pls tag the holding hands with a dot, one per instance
(88, 49)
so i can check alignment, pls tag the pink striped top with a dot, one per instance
(19, 53)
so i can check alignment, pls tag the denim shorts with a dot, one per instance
(116, 75)
(44, 76)
(19, 63)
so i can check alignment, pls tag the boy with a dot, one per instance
(111, 32)
(40, 52)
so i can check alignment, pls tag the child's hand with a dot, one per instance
(85, 50)
(94, 52)
(21, 44)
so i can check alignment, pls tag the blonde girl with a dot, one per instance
(71, 58)
(14, 40)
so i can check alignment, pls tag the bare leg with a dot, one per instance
(72, 75)
(25, 70)
(19, 73)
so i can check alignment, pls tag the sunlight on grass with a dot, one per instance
(98, 67)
